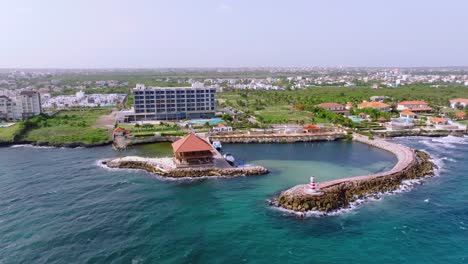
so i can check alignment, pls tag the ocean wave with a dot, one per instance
(451, 140)
(31, 146)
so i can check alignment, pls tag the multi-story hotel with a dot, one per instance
(20, 106)
(173, 103)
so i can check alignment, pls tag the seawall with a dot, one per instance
(285, 138)
(340, 193)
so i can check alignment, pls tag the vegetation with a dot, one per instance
(298, 106)
(7, 133)
(71, 126)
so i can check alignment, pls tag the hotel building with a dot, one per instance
(173, 103)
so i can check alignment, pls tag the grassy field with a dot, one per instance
(7, 133)
(68, 127)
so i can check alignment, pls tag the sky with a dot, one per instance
(232, 33)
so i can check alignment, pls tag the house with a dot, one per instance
(192, 150)
(121, 132)
(334, 107)
(414, 106)
(460, 116)
(348, 106)
(458, 102)
(408, 114)
(221, 128)
(436, 121)
(375, 105)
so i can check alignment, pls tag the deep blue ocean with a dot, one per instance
(59, 206)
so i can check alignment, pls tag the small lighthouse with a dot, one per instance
(312, 187)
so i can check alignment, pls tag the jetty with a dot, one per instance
(336, 194)
(194, 156)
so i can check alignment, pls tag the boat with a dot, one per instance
(229, 158)
(217, 145)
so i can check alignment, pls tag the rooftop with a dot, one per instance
(373, 105)
(412, 103)
(191, 143)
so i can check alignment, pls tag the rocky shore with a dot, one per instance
(340, 193)
(165, 167)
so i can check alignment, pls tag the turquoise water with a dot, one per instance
(355, 118)
(212, 121)
(58, 206)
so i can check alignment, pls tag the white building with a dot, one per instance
(458, 102)
(414, 106)
(20, 106)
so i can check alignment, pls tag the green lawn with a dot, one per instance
(6, 133)
(282, 114)
(68, 127)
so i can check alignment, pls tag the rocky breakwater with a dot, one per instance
(166, 167)
(340, 193)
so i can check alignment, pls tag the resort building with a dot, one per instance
(375, 105)
(459, 103)
(173, 103)
(192, 150)
(221, 128)
(408, 114)
(436, 121)
(20, 106)
(334, 107)
(414, 106)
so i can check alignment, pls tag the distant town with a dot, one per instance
(97, 107)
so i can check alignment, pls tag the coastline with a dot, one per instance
(339, 194)
(56, 145)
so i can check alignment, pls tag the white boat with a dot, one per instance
(229, 158)
(217, 145)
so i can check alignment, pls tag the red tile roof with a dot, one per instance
(420, 109)
(119, 129)
(407, 112)
(311, 127)
(412, 103)
(460, 114)
(330, 105)
(437, 120)
(459, 100)
(373, 105)
(191, 143)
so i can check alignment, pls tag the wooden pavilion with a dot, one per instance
(192, 150)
